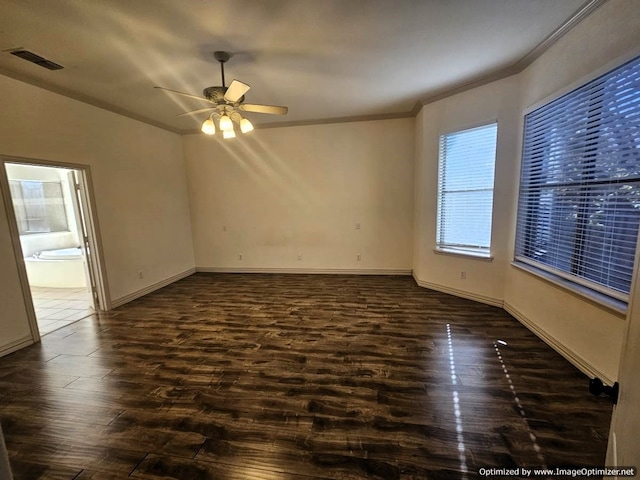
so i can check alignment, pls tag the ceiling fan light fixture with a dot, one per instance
(227, 102)
(208, 127)
(246, 126)
(225, 123)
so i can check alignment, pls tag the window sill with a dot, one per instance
(464, 253)
(618, 307)
(44, 234)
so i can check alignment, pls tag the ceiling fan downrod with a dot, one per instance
(221, 57)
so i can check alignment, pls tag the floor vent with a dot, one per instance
(37, 59)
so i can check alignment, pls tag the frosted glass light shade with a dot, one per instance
(245, 125)
(225, 123)
(208, 127)
(230, 133)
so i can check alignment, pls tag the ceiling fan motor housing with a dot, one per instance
(216, 94)
(222, 57)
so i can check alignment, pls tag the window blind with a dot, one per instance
(465, 189)
(579, 204)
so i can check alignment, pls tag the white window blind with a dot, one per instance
(465, 189)
(579, 205)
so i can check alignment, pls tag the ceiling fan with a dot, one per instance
(227, 104)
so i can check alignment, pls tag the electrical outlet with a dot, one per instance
(299, 257)
(463, 275)
(240, 257)
(224, 228)
(358, 257)
(357, 226)
(140, 275)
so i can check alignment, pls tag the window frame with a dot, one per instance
(24, 212)
(616, 302)
(484, 254)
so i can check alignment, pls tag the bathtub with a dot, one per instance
(63, 268)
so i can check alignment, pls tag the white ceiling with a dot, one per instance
(324, 59)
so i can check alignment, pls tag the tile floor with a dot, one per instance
(59, 307)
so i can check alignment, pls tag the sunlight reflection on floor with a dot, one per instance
(532, 436)
(456, 407)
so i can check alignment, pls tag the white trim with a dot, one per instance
(118, 302)
(494, 302)
(568, 354)
(463, 253)
(539, 268)
(16, 345)
(319, 271)
(619, 307)
(594, 74)
(572, 357)
(90, 216)
(18, 254)
(483, 79)
(517, 67)
(97, 264)
(577, 17)
(470, 126)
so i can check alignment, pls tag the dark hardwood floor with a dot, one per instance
(228, 376)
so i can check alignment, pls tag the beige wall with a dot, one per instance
(139, 183)
(588, 333)
(494, 102)
(284, 192)
(293, 191)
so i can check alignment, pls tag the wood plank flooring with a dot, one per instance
(229, 376)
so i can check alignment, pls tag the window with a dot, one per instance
(465, 190)
(39, 206)
(579, 206)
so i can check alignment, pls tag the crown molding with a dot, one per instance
(325, 121)
(578, 16)
(87, 99)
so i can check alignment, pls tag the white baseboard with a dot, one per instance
(16, 345)
(318, 271)
(572, 357)
(151, 288)
(495, 302)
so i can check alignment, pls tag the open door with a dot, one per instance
(78, 199)
(50, 212)
(624, 447)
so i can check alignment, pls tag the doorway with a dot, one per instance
(54, 239)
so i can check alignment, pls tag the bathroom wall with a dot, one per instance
(37, 242)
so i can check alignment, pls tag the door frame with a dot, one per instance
(97, 264)
(621, 447)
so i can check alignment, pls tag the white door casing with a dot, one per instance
(624, 443)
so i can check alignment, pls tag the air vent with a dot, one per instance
(37, 59)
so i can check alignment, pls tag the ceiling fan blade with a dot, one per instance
(271, 109)
(193, 112)
(235, 91)
(184, 94)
